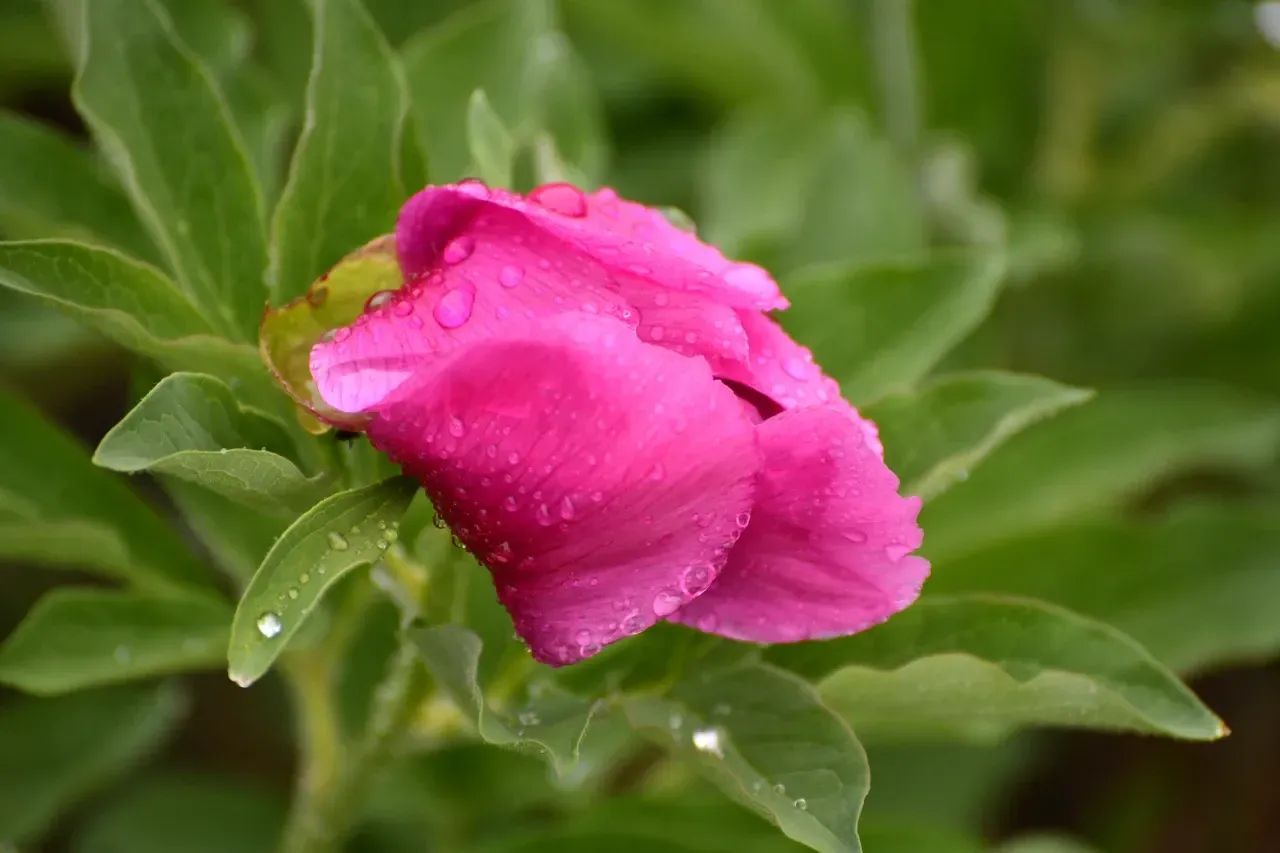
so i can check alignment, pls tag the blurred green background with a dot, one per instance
(1125, 153)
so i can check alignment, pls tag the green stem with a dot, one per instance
(893, 47)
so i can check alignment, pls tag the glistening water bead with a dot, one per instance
(269, 625)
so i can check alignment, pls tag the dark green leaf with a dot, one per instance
(190, 426)
(161, 120)
(1093, 457)
(76, 638)
(881, 328)
(185, 813)
(1044, 844)
(52, 475)
(981, 666)
(764, 736)
(237, 537)
(551, 723)
(65, 543)
(340, 533)
(48, 186)
(57, 751)
(934, 436)
(344, 185)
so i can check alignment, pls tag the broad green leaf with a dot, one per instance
(50, 473)
(185, 813)
(934, 436)
(55, 752)
(491, 46)
(66, 543)
(880, 328)
(75, 638)
(767, 739)
(981, 666)
(1197, 587)
(861, 203)
(492, 148)
(552, 724)
(336, 299)
(160, 118)
(190, 426)
(340, 533)
(344, 185)
(1092, 458)
(49, 186)
(128, 301)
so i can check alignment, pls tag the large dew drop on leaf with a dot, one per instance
(336, 299)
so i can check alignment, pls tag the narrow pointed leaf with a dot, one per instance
(492, 148)
(344, 186)
(74, 638)
(70, 543)
(159, 116)
(935, 436)
(981, 666)
(341, 533)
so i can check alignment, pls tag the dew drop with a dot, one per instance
(293, 594)
(342, 334)
(269, 625)
(748, 277)
(473, 187)
(780, 789)
(456, 428)
(564, 199)
(857, 537)
(402, 309)
(666, 603)
(584, 637)
(695, 580)
(528, 718)
(510, 276)
(328, 336)
(567, 510)
(657, 333)
(337, 541)
(391, 535)
(801, 804)
(379, 299)
(708, 740)
(459, 249)
(454, 308)
(896, 552)
(796, 369)
(509, 504)
(708, 622)
(633, 623)
(543, 515)
(743, 519)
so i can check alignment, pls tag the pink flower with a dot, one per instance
(597, 404)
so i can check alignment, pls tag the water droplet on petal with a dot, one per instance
(459, 249)
(568, 512)
(328, 336)
(748, 277)
(269, 625)
(456, 428)
(454, 308)
(857, 537)
(696, 579)
(584, 637)
(473, 187)
(743, 519)
(708, 622)
(666, 603)
(657, 333)
(510, 276)
(797, 369)
(564, 199)
(379, 299)
(402, 309)
(896, 552)
(543, 515)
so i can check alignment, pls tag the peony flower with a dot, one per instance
(600, 408)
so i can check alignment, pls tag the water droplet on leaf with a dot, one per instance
(269, 625)
(337, 541)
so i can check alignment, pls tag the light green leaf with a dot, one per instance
(75, 638)
(190, 426)
(160, 118)
(49, 186)
(1197, 587)
(1092, 458)
(880, 328)
(552, 724)
(55, 752)
(490, 46)
(344, 188)
(492, 148)
(185, 813)
(766, 738)
(981, 666)
(936, 435)
(340, 533)
(236, 536)
(50, 474)
(65, 543)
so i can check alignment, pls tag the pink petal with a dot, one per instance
(688, 323)
(474, 269)
(601, 480)
(827, 550)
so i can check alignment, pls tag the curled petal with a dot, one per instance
(828, 549)
(601, 480)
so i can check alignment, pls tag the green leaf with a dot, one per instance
(552, 723)
(881, 328)
(50, 186)
(237, 537)
(1043, 844)
(1197, 587)
(935, 436)
(55, 752)
(160, 118)
(492, 148)
(340, 533)
(190, 426)
(766, 738)
(344, 185)
(50, 474)
(981, 666)
(490, 46)
(75, 638)
(1092, 458)
(185, 813)
(65, 543)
